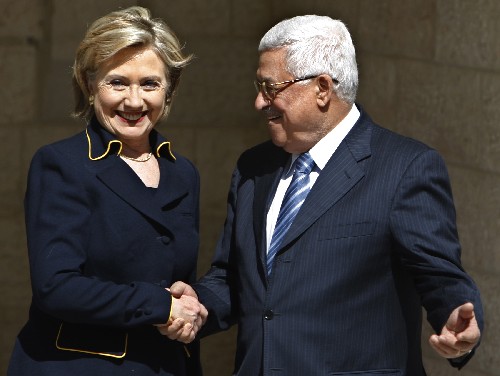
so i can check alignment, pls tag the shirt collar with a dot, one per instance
(324, 149)
(102, 143)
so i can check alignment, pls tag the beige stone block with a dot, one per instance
(19, 84)
(15, 289)
(378, 88)
(183, 139)
(251, 19)
(57, 92)
(13, 247)
(477, 199)
(290, 8)
(70, 20)
(194, 17)
(487, 358)
(468, 33)
(487, 131)
(21, 19)
(217, 354)
(394, 27)
(443, 107)
(10, 172)
(216, 89)
(440, 367)
(345, 10)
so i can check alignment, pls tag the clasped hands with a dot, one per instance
(188, 314)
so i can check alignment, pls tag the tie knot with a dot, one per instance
(304, 163)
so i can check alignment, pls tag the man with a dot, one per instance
(336, 288)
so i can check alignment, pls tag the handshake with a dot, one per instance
(187, 315)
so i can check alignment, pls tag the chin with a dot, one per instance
(278, 142)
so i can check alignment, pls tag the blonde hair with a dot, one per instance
(131, 27)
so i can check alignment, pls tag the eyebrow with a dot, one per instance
(264, 79)
(146, 78)
(154, 78)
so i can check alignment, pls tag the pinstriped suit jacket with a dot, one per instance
(374, 241)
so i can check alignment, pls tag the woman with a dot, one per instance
(112, 217)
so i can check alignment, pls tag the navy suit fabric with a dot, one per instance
(102, 248)
(374, 241)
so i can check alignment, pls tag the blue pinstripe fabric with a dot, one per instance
(294, 197)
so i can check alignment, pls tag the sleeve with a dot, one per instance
(57, 210)
(423, 222)
(215, 288)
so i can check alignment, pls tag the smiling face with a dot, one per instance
(295, 117)
(129, 94)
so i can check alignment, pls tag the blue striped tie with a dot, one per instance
(294, 197)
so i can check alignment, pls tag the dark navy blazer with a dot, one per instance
(374, 241)
(102, 248)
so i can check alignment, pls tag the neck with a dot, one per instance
(135, 150)
(340, 109)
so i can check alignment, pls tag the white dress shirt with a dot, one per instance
(321, 154)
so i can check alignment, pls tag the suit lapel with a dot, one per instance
(172, 185)
(122, 180)
(340, 175)
(266, 184)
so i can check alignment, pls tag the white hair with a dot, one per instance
(317, 45)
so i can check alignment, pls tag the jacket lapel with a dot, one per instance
(266, 184)
(122, 180)
(341, 173)
(172, 186)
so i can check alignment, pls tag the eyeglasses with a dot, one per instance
(269, 91)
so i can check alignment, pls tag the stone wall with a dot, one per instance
(429, 69)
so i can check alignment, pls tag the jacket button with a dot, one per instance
(268, 314)
(165, 240)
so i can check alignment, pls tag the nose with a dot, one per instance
(133, 98)
(261, 101)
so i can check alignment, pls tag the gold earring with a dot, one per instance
(91, 99)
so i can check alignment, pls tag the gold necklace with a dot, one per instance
(147, 158)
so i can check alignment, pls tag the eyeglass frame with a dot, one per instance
(262, 87)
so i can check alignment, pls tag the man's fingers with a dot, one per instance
(449, 350)
(177, 289)
(188, 334)
(471, 334)
(173, 330)
(466, 311)
(180, 288)
(203, 314)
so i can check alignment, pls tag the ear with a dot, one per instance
(324, 90)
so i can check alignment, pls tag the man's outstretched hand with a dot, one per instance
(460, 334)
